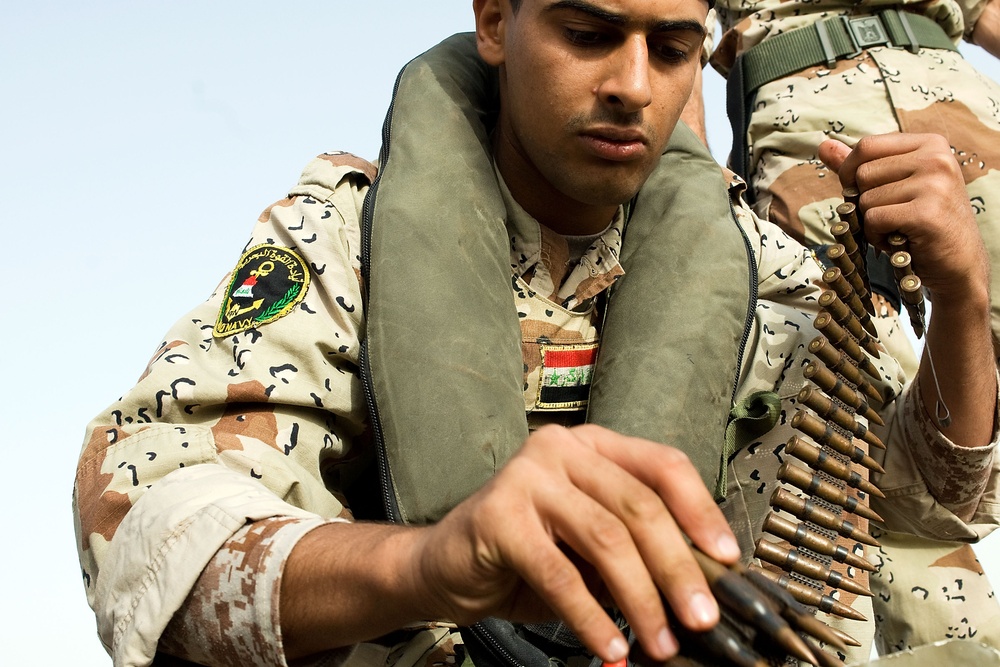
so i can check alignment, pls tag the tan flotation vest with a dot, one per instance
(441, 356)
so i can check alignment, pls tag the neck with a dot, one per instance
(546, 204)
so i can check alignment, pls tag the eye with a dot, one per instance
(671, 52)
(580, 37)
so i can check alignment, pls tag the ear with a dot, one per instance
(490, 27)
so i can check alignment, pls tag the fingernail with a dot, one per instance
(704, 609)
(728, 546)
(617, 649)
(667, 643)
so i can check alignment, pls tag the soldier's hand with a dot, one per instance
(581, 518)
(912, 184)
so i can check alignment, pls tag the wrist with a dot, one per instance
(970, 297)
(347, 582)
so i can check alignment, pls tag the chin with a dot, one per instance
(615, 188)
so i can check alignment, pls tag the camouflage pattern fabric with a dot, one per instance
(880, 90)
(193, 488)
(916, 575)
(951, 652)
(746, 23)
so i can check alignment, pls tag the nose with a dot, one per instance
(626, 83)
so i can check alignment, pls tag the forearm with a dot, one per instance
(959, 340)
(346, 583)
(987, 31)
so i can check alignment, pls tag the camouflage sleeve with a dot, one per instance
(935, 488)
(209, 629)
(248, 405)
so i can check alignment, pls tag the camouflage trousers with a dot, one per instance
(881, 90)
(926, 591)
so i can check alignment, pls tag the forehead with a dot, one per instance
(648, 15)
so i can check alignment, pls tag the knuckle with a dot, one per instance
(610, 535)
(546, 434)
(558, 577)
(676, 458)
(590, 431)
(937, 141)
(863, 176)
(642, 508)
(491, 508)
(866, 144)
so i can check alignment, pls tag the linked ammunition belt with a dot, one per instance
(826, 522)
(812, 551)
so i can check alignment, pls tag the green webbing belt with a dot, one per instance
(822, 42)
(749, 419)
(835, 38)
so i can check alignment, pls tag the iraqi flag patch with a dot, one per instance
(566, 372)
(267, 283)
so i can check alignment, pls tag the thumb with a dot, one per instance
(833, 153)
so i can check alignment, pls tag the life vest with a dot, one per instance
(441, 355)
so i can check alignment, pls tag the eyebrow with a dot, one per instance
(620, 20)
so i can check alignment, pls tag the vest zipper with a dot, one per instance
(489, 640)
(751, 306)
(367, 212)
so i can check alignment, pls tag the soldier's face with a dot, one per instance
(590, 89)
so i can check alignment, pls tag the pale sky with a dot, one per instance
(139, 141)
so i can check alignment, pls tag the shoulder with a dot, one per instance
(329, 172)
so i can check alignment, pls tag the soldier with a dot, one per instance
(799, 72)
(398, 349)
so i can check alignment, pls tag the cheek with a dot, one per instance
(673, 96)
(542, 108)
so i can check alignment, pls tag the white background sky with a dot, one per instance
(139, 141)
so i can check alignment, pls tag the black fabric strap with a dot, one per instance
(738, 106)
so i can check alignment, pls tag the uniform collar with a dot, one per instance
(540, 257)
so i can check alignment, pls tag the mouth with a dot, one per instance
(618, 144)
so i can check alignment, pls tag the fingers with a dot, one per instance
(555, 578)
(617, 511)
(868, 151)
(912, 184)
(600, 539)
(674, 479)
(833, 153)
(622, 505)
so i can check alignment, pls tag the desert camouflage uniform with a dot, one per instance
(880, 90)
(194, 487)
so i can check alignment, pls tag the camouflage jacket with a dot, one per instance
(249, 424)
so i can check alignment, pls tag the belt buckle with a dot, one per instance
(865, 31)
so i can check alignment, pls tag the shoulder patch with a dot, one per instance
(267, 283)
